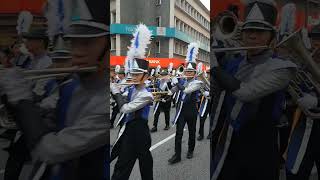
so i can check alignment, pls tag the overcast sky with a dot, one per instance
(206, 3)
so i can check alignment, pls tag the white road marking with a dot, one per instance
(163, 141)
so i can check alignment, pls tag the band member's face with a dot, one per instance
(190, 74)
(139, 78)
(33, 45)
(316, 46)
(121, 76)
(88, 51)
(254, 37)
(112, 74)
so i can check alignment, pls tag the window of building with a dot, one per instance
(113, 43)
(113, 17)
(158, 46)
(158, 2)
(158, 21)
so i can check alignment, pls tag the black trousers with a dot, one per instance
(18, 155)
(191, 120)
(251, 162)
(311, 157)
(134, 144)
(115, 111)
(202, 121)
(162, 108)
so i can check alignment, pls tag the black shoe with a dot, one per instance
(200, 138)
(154, 129)
(166, 128)
(111, 127)
(209, 136)
(190, 154)
(174, 159)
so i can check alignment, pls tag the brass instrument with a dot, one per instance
(308, 76)
(55, 72)
(227, 25)
(180, 70)
(158, 95)
(6, 118)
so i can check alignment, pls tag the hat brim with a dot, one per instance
(257, 25)
(190, 70)
(85, 31)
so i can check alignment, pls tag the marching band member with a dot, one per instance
(119, 78)
(134, 138)
(164, 104)
(37, 44)
(303, 148)
(247, 146)
(76, 147)
(204, 107)
(186, 108)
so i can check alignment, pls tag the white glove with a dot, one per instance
(39, 87)
(15, 86)
(50, 102)
(169, 93)
(162, 100)
(114, 88)
(206, 94)
(174, 81)
(308, 101)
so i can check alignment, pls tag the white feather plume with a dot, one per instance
(117, 69)
(305, 38)
(173, 72)
(170, 67)
(192, 53)
(141, 39)
(55, 14)
(24, 22)
(199, 68)
(152, 72)
(288, 17)
(158, 69)
(126, 66)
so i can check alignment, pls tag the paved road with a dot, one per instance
(196, 168)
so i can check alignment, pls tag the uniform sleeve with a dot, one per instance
(137, 103)
(192, 87)
(88, 133)
(264, 84)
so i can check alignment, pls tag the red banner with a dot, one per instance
(16, 6)
(153, 62)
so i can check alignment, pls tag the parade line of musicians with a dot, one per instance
(257, 126)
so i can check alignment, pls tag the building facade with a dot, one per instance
(174, 24)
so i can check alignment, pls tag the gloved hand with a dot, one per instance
(206, 94)
(115, 89)
(308, 101)
(50, 102)
(163, 100)
(174, 81)
(15, 86)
